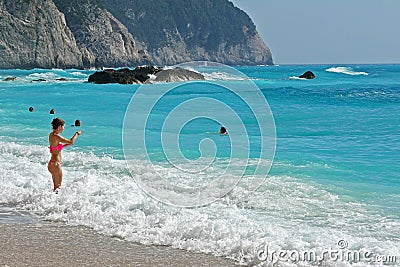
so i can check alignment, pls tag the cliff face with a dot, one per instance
(101, 38)
(112, 33)
(34, 34)
(176, 31)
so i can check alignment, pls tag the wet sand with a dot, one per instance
(26, 241)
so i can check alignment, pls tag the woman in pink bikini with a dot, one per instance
(57, 143)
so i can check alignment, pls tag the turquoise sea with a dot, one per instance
(332, 145)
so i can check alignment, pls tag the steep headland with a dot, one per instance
(115, 33)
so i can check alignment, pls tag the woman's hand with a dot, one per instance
(79, 132)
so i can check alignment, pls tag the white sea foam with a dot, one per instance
(222, 76)
(212, 71)
(297, 78)
(77, 73)
(43, 75)
(210, 75)
(346, 70)
(50, 76)
(285, 213)
(53, 76)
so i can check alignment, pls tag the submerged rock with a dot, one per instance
(307, 75)
(38, 80)
(146, 74)
(9, 79)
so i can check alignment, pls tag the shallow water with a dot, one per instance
(334, 176)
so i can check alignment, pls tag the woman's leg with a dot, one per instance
(58, 176)
(56, 173)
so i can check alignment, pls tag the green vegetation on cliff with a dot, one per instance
(205, 23)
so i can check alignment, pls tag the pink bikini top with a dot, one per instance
(58, 147)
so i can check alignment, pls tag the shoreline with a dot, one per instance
(33, 242)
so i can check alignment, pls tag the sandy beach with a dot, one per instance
(27, 241)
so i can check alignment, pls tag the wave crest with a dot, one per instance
(345, 70)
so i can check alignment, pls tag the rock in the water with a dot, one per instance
(9, 79)
(143, 75)
(177, 75)
(307, 75)
(123, 76)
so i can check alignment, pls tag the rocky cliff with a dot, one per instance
(176, 31)
(33, 34)
(111, 33)
(101, 38)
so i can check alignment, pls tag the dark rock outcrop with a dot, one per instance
(145, 74)
(307, 75)
(123, 76)
(9, 79)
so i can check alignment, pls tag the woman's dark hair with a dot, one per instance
(57, 122)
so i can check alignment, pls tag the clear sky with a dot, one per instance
(333, 32)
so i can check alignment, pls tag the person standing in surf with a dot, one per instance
(57, 143)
